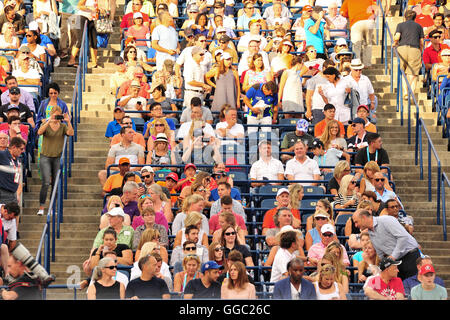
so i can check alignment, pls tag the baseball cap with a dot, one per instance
(307, 8)
(282, 190)
(432, 33)
(221, 29)
(118, 60)
(327, 228)
(33, 26)
(387, 262)
(225, 56)
(24, 49)
(445, 52)
(285, 229)
(128, 40)
(224, 38)
(193, 8)
(427, 268)
(302, 125)
(341, 42)
(124, 160)
(137, 15)
(363, 106)
(147, 169)
(116, 211)
(118, 108)
(210, 265)
(190, 165)
(161, 137)
(358, 120)
(14, 90)
(135, 83)
(13, 106)
(173, 176)
(316, 144)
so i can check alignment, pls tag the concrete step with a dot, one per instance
(79, 215)
(92, 203)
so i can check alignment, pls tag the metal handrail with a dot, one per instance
(419, 121)
(445, 181)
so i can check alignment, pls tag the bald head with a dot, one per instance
(362, 219)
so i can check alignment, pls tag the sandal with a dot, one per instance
(75, 65)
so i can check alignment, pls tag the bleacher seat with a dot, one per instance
(341, 220)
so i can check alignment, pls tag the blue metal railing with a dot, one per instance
(401, 76)
(51, 229)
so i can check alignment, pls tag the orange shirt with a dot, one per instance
(138, 138)
(173, 199)
(369, 128)
(115, 181)
(319, 128)
(268, 217)
(357, 10)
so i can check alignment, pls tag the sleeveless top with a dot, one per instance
(327, 296)
(256, 77)
(43, 6)
(165, 159)
(112, 292)
(315, 235)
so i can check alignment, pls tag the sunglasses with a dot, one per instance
(219, 249)
(436, 37)
(28, 35)
(190, 248)
(328, 235)
(127, 122)
(201, 40)
(320, 218)
(230, 233)
(159, 125)
(379, 179)
(111, 267)
(353, 182)
(145, 196)
(202, 54)
(146, 176)
(201, 190)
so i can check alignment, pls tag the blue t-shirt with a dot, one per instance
(169, 122)
(235, 194)
(255, 95)
(45, 40)
(243, 21)
(317, 39)
(7, 178)
(114, 127)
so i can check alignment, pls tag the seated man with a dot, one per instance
(229, 128)
(359, 138)
(316, 252)
(125, 88)
(179, 252)
(218, 177)
(137, 138)
(196, 115)
(362, 112)
(127, 148)
(115, 181)
(125, 233)
(25, 97)
(301, 167)
(283, 200)
(289, 140)
(386, 286)
(224, 189)
(267, 167)
(373, 152)
(382, 193)
(115, 126)
(329, 112)
(275, 16)
(16, 108)
(26, 75)
(249, 15)
(226, 204)
(413, 281)
(393, 209)
(129, 197)
(254, 34)
(118, 77)
(253, 48)
(206, 112)
(133, 101)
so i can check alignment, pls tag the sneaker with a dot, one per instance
(56, 62)
(40, 212)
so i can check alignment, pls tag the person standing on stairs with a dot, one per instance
(408, 39)
(87, 11)
(53, 131)
(11, 170)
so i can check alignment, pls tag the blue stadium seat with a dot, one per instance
(269, 203)
(313, 190)
(161, 175)
(341, 220)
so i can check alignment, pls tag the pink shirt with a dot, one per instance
(214, 222)
(160, 218)
(139, 34)
(318, 250)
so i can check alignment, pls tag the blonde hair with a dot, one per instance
(148, 235)
(294, 200)
(190, 257)
(326, 137)
(160, 121)
(345, 182)
(188, 201)
(339, 168)
(320, 211)
(371, 165)
(192, 219)
(196, 124)
(363, 265)
(327, 270)
(98, 273)
(111, 199)
(5, 26)
(156, 188)
(141, 202)
(147, 248)
(55, 109)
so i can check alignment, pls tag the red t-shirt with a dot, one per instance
(127, 20)
(424, 20)
(214, 222)
(268, 217)
(432, 56)
(390, 289)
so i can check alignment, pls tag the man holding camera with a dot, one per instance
(23, 287)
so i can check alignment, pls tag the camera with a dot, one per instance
(59, 117)
(23, 255)
(117, 205)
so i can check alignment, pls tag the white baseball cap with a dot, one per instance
(282, 190)
(116, 211)
(327, 228)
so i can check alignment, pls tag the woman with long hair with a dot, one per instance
(158, 93)
(8, 39)
(326, 286)
(256, 72)
(237, 285)
(162, 154)
(132, 62)
(229, 241)
(322, 204)
(200, 26)
(347, 195)
(202, 179)
(369, 264)
(215, 253)
(104, 286)
(151, 235)
(340, 169)
(227, 86)
(341, 274)
(296, 194)
(228, 219)
(332, 137)
(191, 271)
(123, 252)
(160, 202)
(311, 63)
(290, 92)
(159, 125)
(367, 181)
(283, 59)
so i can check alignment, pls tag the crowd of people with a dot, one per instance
(200, 79)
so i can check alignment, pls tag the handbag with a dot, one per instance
(103, 25)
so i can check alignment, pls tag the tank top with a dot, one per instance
(256, 77)
(112, 292)
(327, 296)
(43, 6)
(315, 235)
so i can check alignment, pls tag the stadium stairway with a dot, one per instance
(83, 206)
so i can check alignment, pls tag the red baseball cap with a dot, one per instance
(307, 8)
(363, 106)
(173, 176)
(427, 268)
(190, 165)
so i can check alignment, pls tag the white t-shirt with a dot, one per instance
(38, 52)
(270, 169)
(363, 86)
(235, 130)
(302, 171)
(185, 58)
(11, 228)
(131, 105)
(280, 262)
(31, 74)
(311, 84)
(243, 63)
(167, 38)
(245, 39)
(193, 72)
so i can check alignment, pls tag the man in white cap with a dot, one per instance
(225, 45)
(124, 233)
(290, 138)
(340, 46)
(186, 58)
(267, 167)
(386, 285)
(283, 200)
(361, 83)
(316, 252)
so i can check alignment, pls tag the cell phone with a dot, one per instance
(141, 185)
(205, 139)
(139, 103)
(117, 205)
(59, 117)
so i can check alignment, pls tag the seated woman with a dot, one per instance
(314, 235)
(36, 49)
(256, 73)
(340, 169)
(322, 204)
(338, 250)
(161, 153)
(357, 258)
(145, 201)
(158, 126)
(202, 179)
(148, 215)
(348, 195)
(113, 201)
(226, 219)
(158, 92)
(237, 285)
(139, 31)
(149, 248)
(141, 55)
(327, 288)
(151, 235)
(332, 136)
(124, 253)
(191, 271)
(369, 266)
(367, 181)
(170, 79)
(131, 61)
(8, 39)
(230, 242)
(14, 128)
(215, 252)
(105, 286)
(193, 218)
(353, 232)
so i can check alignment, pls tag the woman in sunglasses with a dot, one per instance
(191, 271)
(317, 220)
(215, 251)
(159, 125)
(326, 286)
(104, 286)
(368, 181)
(347, 197)
(201, 186)
(229, 241)
(124, 253)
